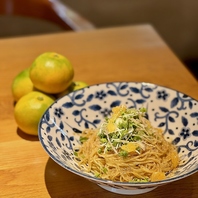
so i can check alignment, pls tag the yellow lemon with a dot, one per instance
(22, 85)
(74, 86)
(51, 72)
(29, 110)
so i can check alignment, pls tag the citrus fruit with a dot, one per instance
(51, 72)
(21, 85)
(29, 110)
(78, 85)
(74, 86)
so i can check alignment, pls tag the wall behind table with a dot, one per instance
(175, 20)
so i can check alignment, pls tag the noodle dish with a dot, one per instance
(126, 137)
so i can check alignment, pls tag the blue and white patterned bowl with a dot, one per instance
(174, 112)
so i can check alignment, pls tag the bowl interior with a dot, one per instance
(174, 112)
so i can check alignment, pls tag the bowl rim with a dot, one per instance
(92, 178)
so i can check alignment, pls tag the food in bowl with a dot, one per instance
(127, 148)
(175, 113)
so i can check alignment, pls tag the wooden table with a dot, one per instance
(132, 53)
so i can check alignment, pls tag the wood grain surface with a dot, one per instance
(128, 53)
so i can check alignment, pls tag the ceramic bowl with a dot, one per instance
(174, 112)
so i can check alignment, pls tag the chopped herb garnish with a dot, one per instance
(83, 139)
(139, 180)
(123, 153)
(122, 127)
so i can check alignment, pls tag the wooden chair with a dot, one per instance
(52, 11)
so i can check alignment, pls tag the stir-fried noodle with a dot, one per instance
(127, 148)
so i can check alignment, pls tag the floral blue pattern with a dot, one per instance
(174, 112)
(100, 95)
(58, 112)
(162, 95)
(185, 133)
